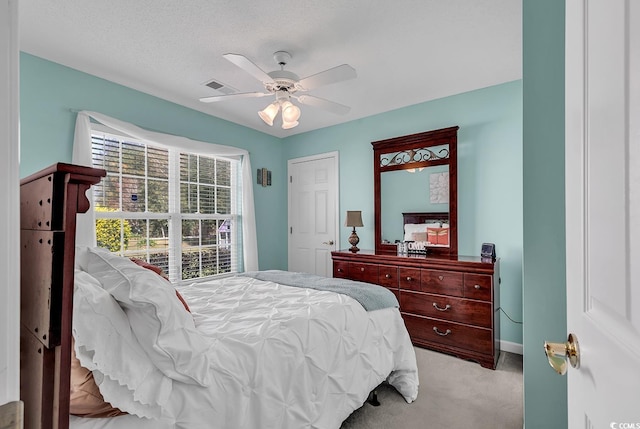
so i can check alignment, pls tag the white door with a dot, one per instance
(313, 213)
(603, 210)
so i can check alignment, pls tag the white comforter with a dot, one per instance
(283, 357)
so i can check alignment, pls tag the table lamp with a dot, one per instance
(354, 218)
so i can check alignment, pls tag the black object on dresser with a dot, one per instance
(448, 303)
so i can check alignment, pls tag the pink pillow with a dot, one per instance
(443, 236)
(438, 236)
(432, 235)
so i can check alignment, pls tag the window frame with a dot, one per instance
(174, 215)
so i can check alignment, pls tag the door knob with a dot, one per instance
(559, 353)
(330, 242)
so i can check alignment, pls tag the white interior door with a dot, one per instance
(313, 216)
(603, 210)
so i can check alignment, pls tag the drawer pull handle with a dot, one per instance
(440, 278)
(388, 276)
(442, 334)
(477, 287)
(446, 307)
(409, 279)
(339, 270)
(362, 269)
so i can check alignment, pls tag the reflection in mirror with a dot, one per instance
(415, 190)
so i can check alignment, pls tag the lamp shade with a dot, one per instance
(269, 113)
(290, 112)
(287, 125)
(354, 218)
(290, 115)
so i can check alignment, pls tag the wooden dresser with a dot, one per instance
(449, 303)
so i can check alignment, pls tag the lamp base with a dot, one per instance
(354, 240)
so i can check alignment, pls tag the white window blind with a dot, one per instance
(180, 211)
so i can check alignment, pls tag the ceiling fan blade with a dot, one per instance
(247, 65)
(336, 74)
(330, 106)
(232, 96)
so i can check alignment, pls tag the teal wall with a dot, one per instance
(48, 91)
(489, 174)
(544, 292)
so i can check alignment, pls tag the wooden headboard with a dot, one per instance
(49, 202)
(424, 217)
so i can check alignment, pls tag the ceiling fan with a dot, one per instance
(285, 85)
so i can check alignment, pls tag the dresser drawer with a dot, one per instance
(340, 269)
(409, 278)
(441, 282)
(446, 307)
(388, 276)
(477, 286)
(451, 334)
(363, 272)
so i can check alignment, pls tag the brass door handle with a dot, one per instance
(559, 353)
(330, 242)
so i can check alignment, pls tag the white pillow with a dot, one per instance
(104, 344)
(163, 328)
(410, 228)
(431, 225)
(82, 253)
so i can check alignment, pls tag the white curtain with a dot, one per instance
(86, 235)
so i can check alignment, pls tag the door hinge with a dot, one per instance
(290, 179)
(290, 230)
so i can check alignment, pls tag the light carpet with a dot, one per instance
(454, 393)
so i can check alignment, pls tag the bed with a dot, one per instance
(252, 350)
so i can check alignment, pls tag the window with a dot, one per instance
(174, 209)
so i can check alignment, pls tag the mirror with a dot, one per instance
(415, 178)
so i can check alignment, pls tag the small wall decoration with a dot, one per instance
(264, 177)
(439, 188)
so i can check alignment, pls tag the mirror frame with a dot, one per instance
(407, 144)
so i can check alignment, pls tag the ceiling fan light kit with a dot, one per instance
(290, 115)
(287, 125)
(290, 112)
(269, 113)
(284, 84)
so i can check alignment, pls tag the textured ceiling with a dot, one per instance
(405, 51)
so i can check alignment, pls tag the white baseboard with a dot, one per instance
(510, 347)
